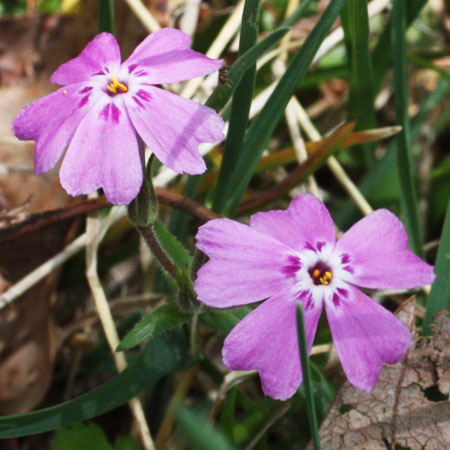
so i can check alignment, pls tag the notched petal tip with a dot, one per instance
(102, 50)
(366, 335)
(378, 247)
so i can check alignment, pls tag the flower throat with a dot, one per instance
(320, 274)
(115, 87)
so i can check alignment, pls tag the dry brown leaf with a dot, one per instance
(26, 329)
(407, 409)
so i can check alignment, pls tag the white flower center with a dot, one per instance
(321, 274)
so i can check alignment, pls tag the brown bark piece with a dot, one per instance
(408, 408)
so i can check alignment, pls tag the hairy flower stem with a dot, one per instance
(149, 236)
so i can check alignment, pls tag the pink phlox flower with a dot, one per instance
(291, 256)
(105, 106)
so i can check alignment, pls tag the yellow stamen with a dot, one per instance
(115, 84)
(316, 273)
(327, 276)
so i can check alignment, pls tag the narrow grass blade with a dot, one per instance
(199, 433)
(439, 298)
(106, 16)
(427, 64)
(223, 92)
(303, 170)
(262, 128)
(361, 97)
(348, 213)
(307, 382)
(404, 155)
(381, 56)
(287, 155)
(159, 358)
(240, 106)
(297, 14)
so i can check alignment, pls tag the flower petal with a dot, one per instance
(365, 336)
(51, 121)
(378, 255)
(245, 265)
(168, 58)
(101, 52)
(173, 127)
(104, 153)
(306, 220)
(266, 340)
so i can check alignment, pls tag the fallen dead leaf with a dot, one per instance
(407, 409)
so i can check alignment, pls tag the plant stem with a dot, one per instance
(149, 236)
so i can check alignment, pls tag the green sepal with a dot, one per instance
(143, 210)
(187, 298)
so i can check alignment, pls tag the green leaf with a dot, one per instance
(223, 92)
(408, 194)
(162, 319)
(81, 437)
(126, 443)
(227, 415)
(199, 433)
(240, 106)
(263, 126)
(361, 97)
(223, 321)
(324, 392)
(158, 358)
(181, 259)
(172, 247)
(439, 298)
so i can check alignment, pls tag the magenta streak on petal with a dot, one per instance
(336, 300)
(349, 269)
(138, 102)
(141, 73)
(131, 67)
(320, 245)
(84, 101)
(104, 113)
(309, 246)
(144, 95)
(309, 303)
(293, 266)
(345, 258)
(102, 72)
(303, 295)
(343, 292)
(115, 113)
(306, 298)
(86, 89)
